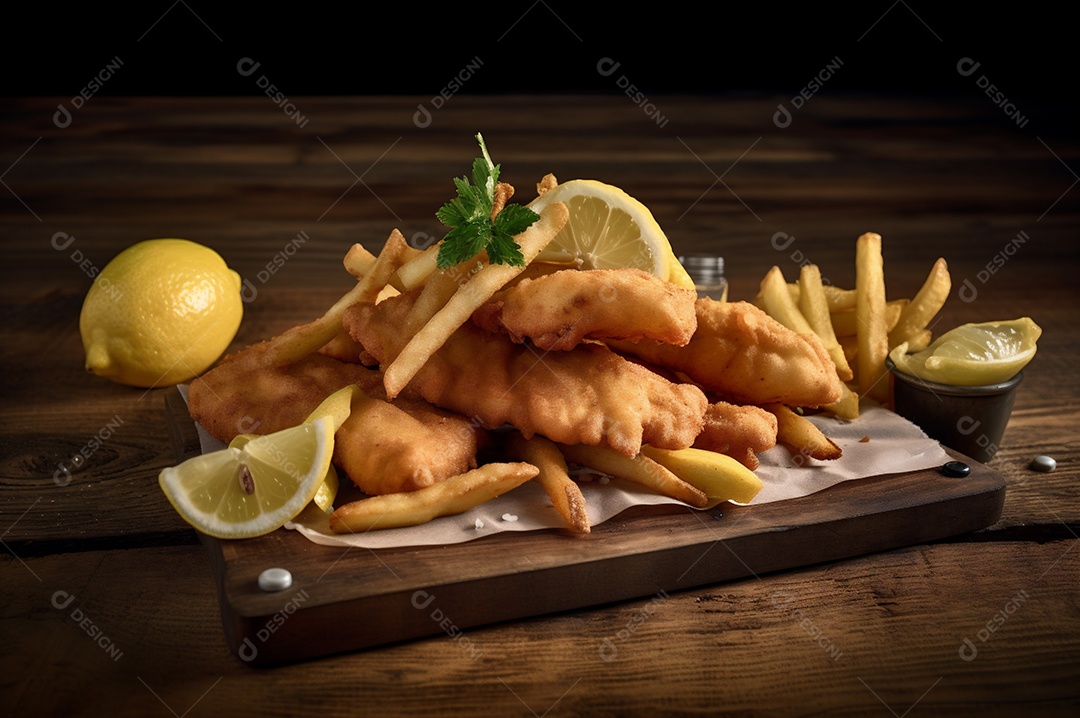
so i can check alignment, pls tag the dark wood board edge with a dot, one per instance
(301, 628)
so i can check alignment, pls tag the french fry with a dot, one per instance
(838, 299)
(815, 308)
(872, 333)
(800, 434)
(845, 323)
(920, 341)
(778, 304)
(300, 341)
(640, 470)
(358, 261)
(924, 306)
(848, 405)
(417, 270)
(563, 491)
(455, 495)
(850, 345)
(469, 296)
(721, 477)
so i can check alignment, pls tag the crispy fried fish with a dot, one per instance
(383, 447)
(747, 357)
(737, 431)
(589, 395)
(560, 310)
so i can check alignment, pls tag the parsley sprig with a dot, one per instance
(469, 217)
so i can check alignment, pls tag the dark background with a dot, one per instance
(192, 48)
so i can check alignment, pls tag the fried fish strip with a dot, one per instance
(559, 311)
(383, 447)
(737, 431)
(746, 356)
(586, 396)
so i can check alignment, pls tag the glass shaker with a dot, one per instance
(707, 271)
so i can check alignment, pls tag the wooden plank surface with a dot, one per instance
(864, 636)
(343, 600)
(941, 176)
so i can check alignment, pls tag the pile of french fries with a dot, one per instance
(859, 327)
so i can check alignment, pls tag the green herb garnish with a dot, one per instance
(469, 217)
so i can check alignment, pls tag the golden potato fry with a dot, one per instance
(800, 434)
(563, 491)
(455, 495)
(640, 469)
(848, 405)
(300, 341)
(838, 299)
(815, 308)
(417, 270)
(845, 323)
(920, 341)
(469, 296)
(778, 304)
(924, 306)
(358, 261)
(850, 345)
(871, 331)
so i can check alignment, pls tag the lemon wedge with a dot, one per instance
(337, 407)
(973, 354)
(721, 477)
(254, 488)
(609, 229)
(324, 497)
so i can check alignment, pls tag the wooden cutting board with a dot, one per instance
(349, 599)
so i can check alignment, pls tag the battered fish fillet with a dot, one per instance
(383, 447)
(559, 311)
(737, 431)
(747, 357)
(586, 396)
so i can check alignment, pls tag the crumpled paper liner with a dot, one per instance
(894, 446)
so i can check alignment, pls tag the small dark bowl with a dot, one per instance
(970, 419)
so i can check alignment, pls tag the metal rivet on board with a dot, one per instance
(956, 469)
(1042, 462)
(275, 579)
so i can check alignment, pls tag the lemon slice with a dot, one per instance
(721, 477)
(973, 354)
(609, 229)
(251, 490)
(337, 406)
(328, 489)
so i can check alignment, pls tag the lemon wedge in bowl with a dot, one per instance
(252, 489)
(609, 229)
(973, 354)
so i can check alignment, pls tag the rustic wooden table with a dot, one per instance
(108, 604)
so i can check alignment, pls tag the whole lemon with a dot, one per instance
(160, 313)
